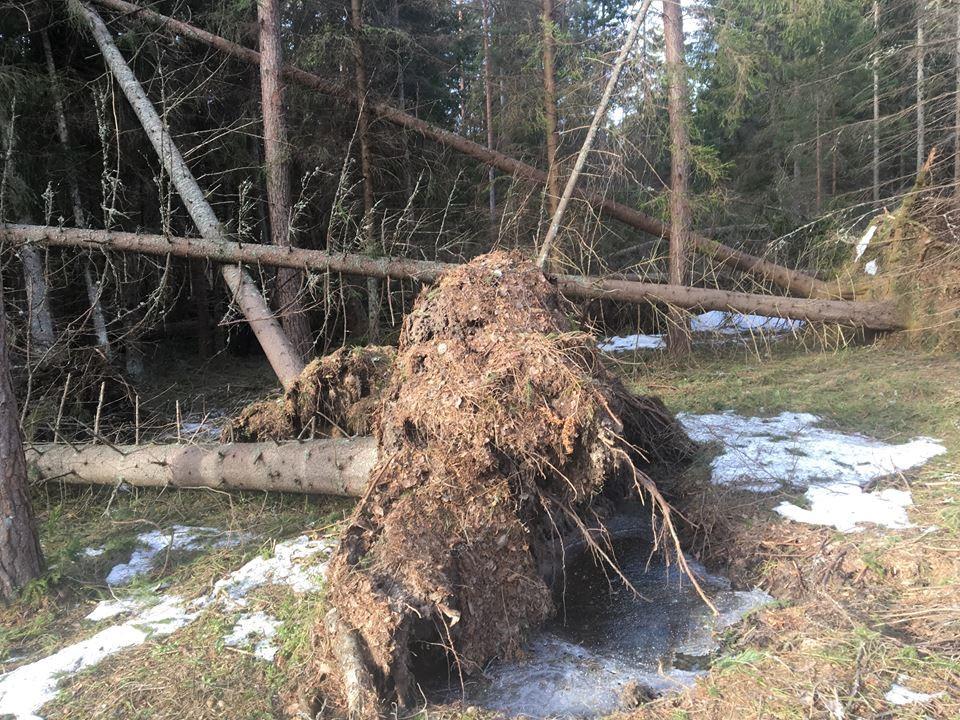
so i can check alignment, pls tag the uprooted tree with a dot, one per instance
(501, 437)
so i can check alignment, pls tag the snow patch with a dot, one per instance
(871, 268)
(900, 695)
(713, 321)
(26, 689)
(256, 626)
(179, 537)
(789, 450)
(107, 609)
(865, 241)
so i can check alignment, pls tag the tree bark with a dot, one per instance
(550, 106)
(956, 111)
(488, 114)
(549, 240)
(366, 165)
(921, 57)
(98, 319)
(280, 352)
(43, 334)
(678, 337)
(878, 315)
(326, 467)
(293, 316)
(792, 280)
(20, 557)
(876, 103)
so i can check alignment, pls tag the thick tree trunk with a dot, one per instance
(878, 315)
(678, 338)
(20, 558)
(201, 300)
(488, 113)
(921, 57)
(326, 467)
(549, 240)
(366, 165)
(295, 322)
(63, 134)
(282, 355)
(792, 280)
(550, 106)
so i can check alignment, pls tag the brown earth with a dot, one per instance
(501, 436)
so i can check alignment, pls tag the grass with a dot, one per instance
(854, 613)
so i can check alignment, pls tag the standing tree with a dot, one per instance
(550, 105)
(678, 339)
(488, 111)
(293, 317)
(366, 165)
(20, 556)
(921, 57)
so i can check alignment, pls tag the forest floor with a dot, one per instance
(857, 614)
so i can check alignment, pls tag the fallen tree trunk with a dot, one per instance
(875, 315)
(791, 280)
(326, 467)
(283, 356)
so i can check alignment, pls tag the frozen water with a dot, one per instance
(900, 695)
(607, 637)
(107, 609)
(631, 342)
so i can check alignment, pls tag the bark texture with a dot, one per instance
(678, 338)
(280, 352)
(20, 558)
(326, 467)
(488, 112)
(550, 106)
(877, 315)
(787, 278)
(43, 334)
(295, 322)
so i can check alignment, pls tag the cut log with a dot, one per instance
(322, 467)
(875, 315)
(791, 280)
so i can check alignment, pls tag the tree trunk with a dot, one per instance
(293, 316)
(789, 279)
(921, 57)
(280, 352)
(201, 300)
(97, 317)
(876, 103)
(20, 558)
(956, 112)
(678, 337)
(327, 467)
(549, 240)
(43, 335)
(550, 106)
(366, 166)
(878, 315)
(819, 160)
(488, 113)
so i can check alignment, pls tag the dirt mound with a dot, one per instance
(502, 435)
(335, 396)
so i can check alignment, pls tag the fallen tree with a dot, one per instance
(326, 467)
(875, 315)
(787, 278)
(501, 436)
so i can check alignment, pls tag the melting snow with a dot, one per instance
(789, 450)
(871, 268)
(714, 321)
(257, 625)
(179, 537)
(899, 695)
(106, 609)
(25, 690)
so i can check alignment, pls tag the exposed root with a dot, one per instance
(500, 431)
(335, 396)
